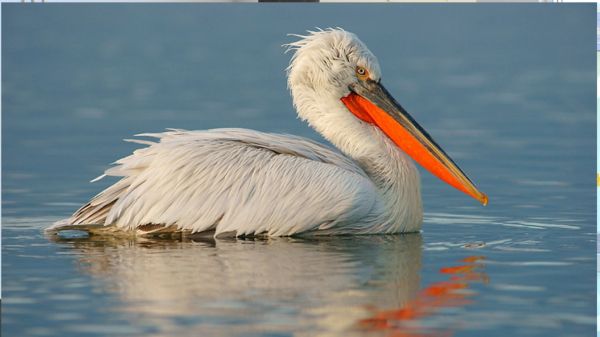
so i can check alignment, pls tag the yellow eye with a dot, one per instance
(362, 72)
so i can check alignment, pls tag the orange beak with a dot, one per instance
(372, 103)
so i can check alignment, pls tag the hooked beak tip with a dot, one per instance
(483, 199)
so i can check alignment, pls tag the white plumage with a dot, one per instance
(234, 181)
(244, 182)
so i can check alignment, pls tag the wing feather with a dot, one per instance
(232, 180)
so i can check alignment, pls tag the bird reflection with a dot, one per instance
(327, 286)
(436, 296)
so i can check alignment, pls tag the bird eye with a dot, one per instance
(361, 72)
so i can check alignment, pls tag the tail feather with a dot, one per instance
(95, 215)
(96, 211)
(65, 224)
(150, 230)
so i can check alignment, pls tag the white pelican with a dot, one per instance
(244, 182)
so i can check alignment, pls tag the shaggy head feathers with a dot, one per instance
(325, 60)
(320, 71)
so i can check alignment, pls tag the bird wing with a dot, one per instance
(232, 180)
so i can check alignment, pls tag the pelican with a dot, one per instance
(239, 182)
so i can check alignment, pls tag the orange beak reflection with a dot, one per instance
(436, 296)
(371, 102)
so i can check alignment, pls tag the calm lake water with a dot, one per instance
(508, 91)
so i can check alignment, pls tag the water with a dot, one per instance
(508, 91)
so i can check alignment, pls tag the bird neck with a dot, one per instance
(398, 182)
(390, 169)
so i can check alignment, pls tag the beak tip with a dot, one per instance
(484, 199)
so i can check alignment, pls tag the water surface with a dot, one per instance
(508, 91)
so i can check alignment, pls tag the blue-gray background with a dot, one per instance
(508, 91)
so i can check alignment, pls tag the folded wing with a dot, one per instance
(232, 181)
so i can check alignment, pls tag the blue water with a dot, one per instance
(507, 90)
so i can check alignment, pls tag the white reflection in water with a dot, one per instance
(461, 219)
(324, 286)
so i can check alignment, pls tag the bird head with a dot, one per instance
(335, 81)
(329, 61)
